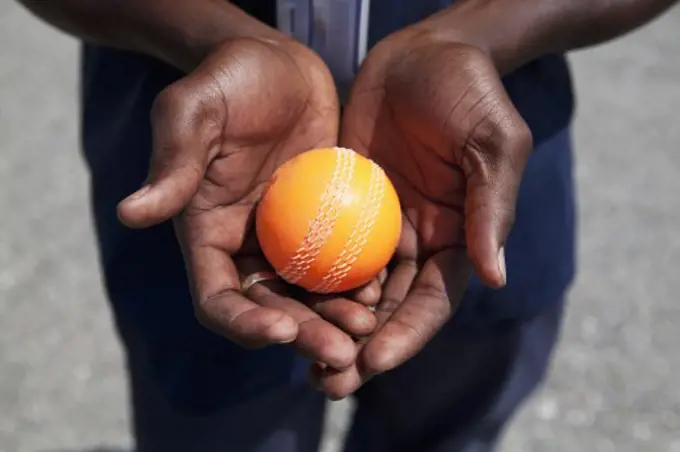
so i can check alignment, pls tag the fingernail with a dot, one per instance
(501, 264)
(139, 193)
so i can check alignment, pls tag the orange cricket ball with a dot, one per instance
(329, 220)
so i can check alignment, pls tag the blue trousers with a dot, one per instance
(455, 396)
(193, 391)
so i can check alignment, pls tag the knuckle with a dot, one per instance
(501, 132)
(170, 100)
(191, 106)
(388, 305)
(484, 144)
(518, 145)
(497, 144)
(433, 292)
(237, 327)
(517, 136)
(204, 316)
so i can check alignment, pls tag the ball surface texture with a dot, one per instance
(329, 220)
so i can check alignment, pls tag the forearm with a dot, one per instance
(178, 32)
(515, 32)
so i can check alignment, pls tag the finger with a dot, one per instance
(348, 311)
(368, 294)
(352, 317)
(221, 307)
(428, 306)
(238, 319)
(317, 339)
(494, 159)
(382, 277)
(338, 384)
(187, 119)
(397, 284)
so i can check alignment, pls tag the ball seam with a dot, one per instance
(359, 235)
(321, 227)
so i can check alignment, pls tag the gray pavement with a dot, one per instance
(613, 385)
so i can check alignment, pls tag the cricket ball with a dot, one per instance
(329, 220)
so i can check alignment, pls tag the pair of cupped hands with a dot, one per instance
(433, 113)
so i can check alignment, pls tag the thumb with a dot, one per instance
(494, 162)
(185, 137)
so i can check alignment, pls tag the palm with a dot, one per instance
(391, 120)
(219, 134)
(436, 117)
(431, 187)
(259, 127)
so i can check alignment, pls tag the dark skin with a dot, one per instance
(252, 99)
(428, 105)
(213, 154)
(455, 157)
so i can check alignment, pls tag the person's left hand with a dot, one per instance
(437, 118)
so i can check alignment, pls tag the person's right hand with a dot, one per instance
(218, 134)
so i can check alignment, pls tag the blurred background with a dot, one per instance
(613, 385)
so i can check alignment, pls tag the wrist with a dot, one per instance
(188, 41)
(486, 26)
(177, 32)
(515, 32)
